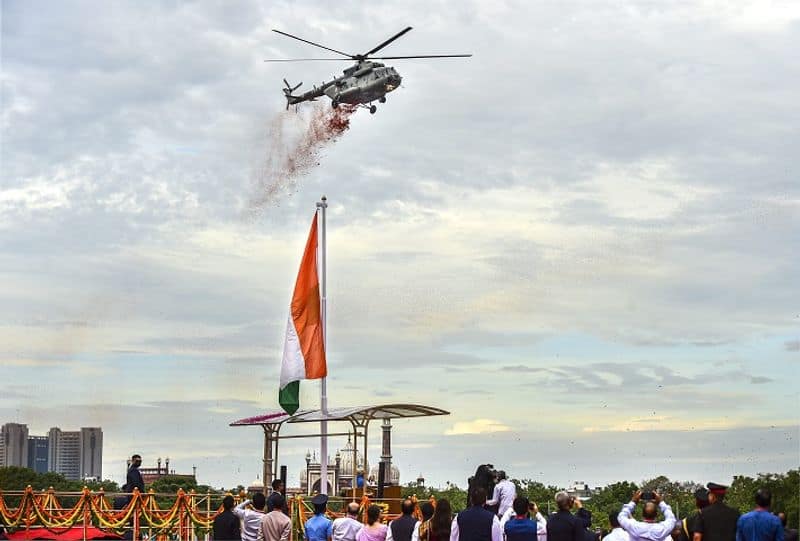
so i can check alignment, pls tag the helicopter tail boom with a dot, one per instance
(287, 91)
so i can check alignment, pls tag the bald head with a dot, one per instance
(352, 509)
(650, 510)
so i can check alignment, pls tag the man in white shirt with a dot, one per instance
(616, 533)
(649, 529)
(504, 494)
(541, 522)
(346, 528)
(251, 518)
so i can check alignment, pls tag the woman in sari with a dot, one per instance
(374, 530)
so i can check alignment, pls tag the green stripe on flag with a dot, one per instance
(289, 397)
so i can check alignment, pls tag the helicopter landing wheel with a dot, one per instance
(372, 109)
(382, 99)
(335, 104)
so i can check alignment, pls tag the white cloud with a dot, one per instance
(599, 182)
(477, 426)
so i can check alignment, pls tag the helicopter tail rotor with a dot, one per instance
(287, 91)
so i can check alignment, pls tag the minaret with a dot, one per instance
(386, 449)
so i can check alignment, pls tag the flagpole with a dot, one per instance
(323, 388)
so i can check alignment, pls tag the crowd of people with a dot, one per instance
(503, 517)
(521, 521)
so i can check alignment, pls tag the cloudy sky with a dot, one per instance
(583, 241)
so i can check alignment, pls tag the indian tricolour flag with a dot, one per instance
(304, 349)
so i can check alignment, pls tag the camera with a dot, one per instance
(648, 495)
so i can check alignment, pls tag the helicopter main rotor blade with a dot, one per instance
(419, 56)
(307, 59)
(387, 42)
(312, 43)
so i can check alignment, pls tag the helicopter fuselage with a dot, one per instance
(366, 82)
(361, 83)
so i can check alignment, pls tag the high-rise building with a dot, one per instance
(37, 453)
(65, 452)
(75, 454)
(91, 452)
(14, 441)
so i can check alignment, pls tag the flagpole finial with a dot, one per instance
(323, 203)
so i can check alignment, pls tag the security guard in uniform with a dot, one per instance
(319, 527)
(717, 522)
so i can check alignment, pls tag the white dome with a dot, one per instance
(257, 483)
(394, 475)
(346, 455)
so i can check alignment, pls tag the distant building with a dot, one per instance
(65, 452)
(14, 444)
(151, 474)
(38, 453)
(76, 454)
(256, 487)
(91, 453)
(346, 467)
(580, 490)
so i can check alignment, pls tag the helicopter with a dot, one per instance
(362, 83)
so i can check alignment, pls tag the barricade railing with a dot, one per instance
(189, 517)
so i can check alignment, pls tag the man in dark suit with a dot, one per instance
(226, 524)
(402, 528)
(476, 523)
(134, 479)
(717, 522)
(277, 495)
(563, 525)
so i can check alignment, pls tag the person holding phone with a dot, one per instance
(649, 529)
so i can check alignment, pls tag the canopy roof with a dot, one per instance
(352, 414)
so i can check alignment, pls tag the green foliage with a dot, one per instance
(785, 490)
(536, 492)
(456, 496)
(13, 478)
(607, 500)
(169, 486)
(106, 484)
